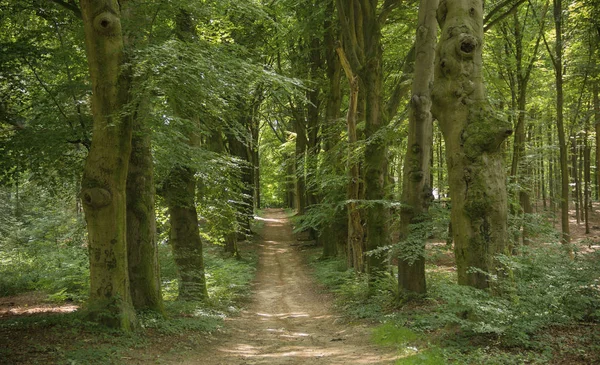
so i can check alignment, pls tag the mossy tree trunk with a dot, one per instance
(473, 137)
(104, 178)
(142, 248)
(416, 186)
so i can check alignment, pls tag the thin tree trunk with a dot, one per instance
(301, 143)
(105, 172)
(216, 144)
(562, 143)
(473, 137)
(330, 235)
(587, 176)
(575, 174)
(416, 186)
(597, 129)
(355, 247)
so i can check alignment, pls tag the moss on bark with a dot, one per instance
(473, 136)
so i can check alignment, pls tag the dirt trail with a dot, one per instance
(288, 321)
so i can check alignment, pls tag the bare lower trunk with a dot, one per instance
(473, 136)
(179, 192)
(104, 178)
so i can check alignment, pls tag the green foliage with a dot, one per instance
(543, 288)
(43, 246)
(228, 280)
(391, 334)
(354, 295)
(424, 357)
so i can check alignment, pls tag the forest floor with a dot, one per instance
(289, 319)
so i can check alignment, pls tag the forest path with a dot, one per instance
(289, 320)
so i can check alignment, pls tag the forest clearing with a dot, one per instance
(299, 181)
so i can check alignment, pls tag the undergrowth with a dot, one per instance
(71, 339)
(543, 290)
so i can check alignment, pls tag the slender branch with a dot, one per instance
(344, 62)
(541, 24)
(495, 10)
(402, 86)
(386, 9)
(70, 6)
(537, 44)
(504, 15)
(60, 109)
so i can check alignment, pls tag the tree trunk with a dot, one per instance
(355, 249)
(597, 129)
(473, 137)
(575, 174)
(142, 248)
(416, 186)
(586, 178)
(562, 143)
(105, 173)
(238, 149)
(179, 192)
(376, 164)
(215, 144)
(330, 235)
(301, 143)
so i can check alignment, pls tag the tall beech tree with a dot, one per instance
(361, 22)
(473, 135)
(105, 173)
(416, 185)
(179, 191)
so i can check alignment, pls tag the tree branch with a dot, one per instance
(70, 6)
(489, 24)
(386, 9)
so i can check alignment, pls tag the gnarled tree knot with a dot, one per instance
(467, 44)
(96, 197)
(107, 23)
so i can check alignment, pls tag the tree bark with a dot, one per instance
(473, 136)
(562, 143)
(356, 245)
(142, 248)
(330, 236)
(180, 191)
(596, 101)
(416, 186)
(105, 172)
(301, 143)
(215, 144)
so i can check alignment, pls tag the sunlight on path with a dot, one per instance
(289, 320)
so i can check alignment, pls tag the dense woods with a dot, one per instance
(444, 156)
